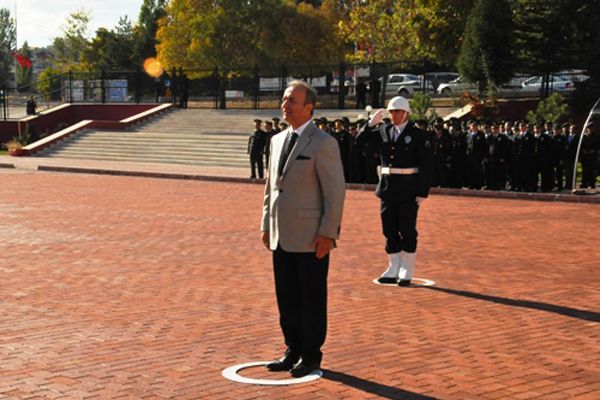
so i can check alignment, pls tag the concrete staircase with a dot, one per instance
(193, 137)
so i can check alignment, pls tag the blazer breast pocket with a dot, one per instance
(301, 157)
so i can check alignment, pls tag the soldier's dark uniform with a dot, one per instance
(441, 154)
(405, 175)
(571, 143)
(590, 150)
(269, 133)
(457, 157)
(256, 148)
(344, 140)
(476, 152)
(523, 144)
(558, 154)
(542, 160)
(498, 154)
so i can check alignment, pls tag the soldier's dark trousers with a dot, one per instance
(256, 161)
(399, 222)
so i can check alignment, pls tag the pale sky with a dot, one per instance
(39, 21)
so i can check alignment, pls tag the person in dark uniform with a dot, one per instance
(276, 127)
(497, 155)
(476, 152)
(456, 155)
(344, 142)
(375, 89)
(256, 148)
(361, 94)
(406, 163)
(523, 150)
(441, 154)
(590, 150)
(558, 155)
(571, 143)
(185, 91)
(542, 163)
(357, 158)
(269, 132)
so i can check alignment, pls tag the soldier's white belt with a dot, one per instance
(399, 171)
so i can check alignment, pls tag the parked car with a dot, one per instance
(438, 78)
(458, 85)
(557, 83)
(404, 84)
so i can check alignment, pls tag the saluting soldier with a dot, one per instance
(406, 163)
(256, 148)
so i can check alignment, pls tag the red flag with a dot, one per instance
(23, 61)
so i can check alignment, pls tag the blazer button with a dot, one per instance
(391, 156)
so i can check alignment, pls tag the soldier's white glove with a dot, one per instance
(376, 118)
(420, 200)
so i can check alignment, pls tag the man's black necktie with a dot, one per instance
(290, 141)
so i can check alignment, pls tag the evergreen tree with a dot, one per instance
(150, 13)
(486, 55)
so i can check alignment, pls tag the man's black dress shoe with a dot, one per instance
(404, 282)
(383, 279)
(285, 363)
(304, 368)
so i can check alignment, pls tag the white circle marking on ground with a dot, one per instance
(231, 373)
(419, 282)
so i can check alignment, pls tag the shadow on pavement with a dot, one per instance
(536, 305)
(387, 392)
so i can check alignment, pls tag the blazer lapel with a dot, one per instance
(303, 140)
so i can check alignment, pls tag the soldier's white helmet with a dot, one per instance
(398, 103)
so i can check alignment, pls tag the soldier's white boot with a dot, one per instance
(407, 268)
(391, 274)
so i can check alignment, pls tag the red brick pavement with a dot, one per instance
(138, 288)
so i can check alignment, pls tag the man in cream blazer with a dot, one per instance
(302, 213)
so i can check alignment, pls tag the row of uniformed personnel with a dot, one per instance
(491, 155)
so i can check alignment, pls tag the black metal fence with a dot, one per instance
(340, 86)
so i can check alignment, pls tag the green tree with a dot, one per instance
(150, 13)
(486, 52)
(25, 75)
(70, 48)
(205, 34)
(110, 50)
(49, 83)
(394, 30)
(553, 108)
(7, 45)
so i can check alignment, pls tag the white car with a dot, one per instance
(558, 83)
(403, 84)
(457, 86)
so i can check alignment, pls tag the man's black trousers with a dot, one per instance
(301, 289)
